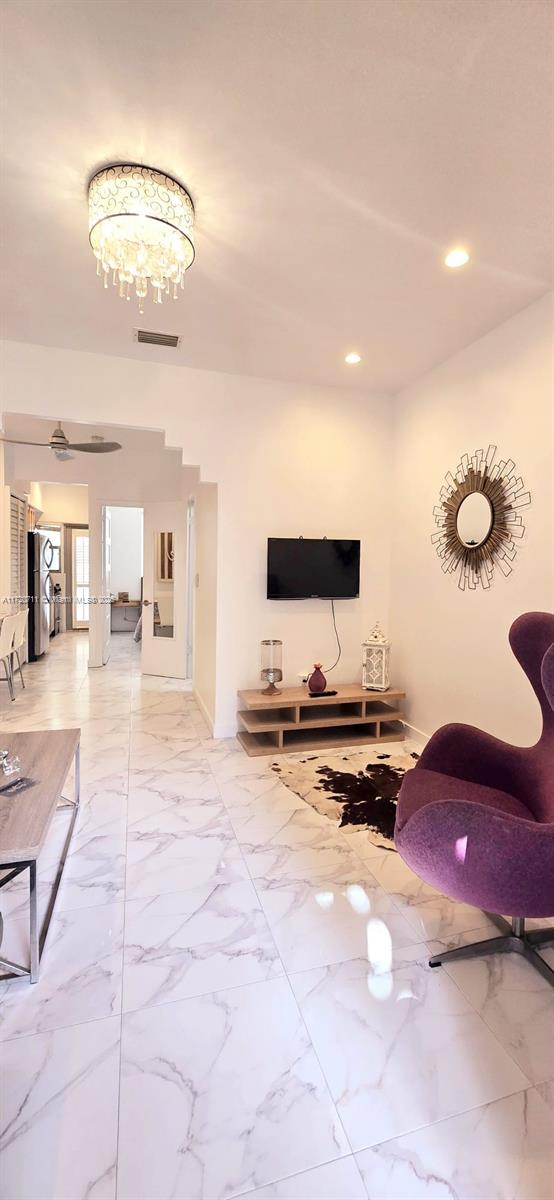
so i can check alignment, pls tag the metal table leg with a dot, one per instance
(33, 922)
(38, 938)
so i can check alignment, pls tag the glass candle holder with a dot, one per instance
(272, 665)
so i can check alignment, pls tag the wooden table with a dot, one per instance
(25, 818)
(125, 604)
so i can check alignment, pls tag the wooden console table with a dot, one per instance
(117, 605)
(296, 721)
(25, 817)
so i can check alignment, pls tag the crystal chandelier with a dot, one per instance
(141, 230)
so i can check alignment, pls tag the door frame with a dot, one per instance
(190, 586)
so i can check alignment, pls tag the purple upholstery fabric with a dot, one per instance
(475, 817)
(547, 675)
(427, 786)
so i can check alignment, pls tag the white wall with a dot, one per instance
(287, 459)
(60, 503)
(126, 535)
(450, 648)
(205, 598)
(304, 467)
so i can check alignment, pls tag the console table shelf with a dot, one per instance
(294, 720)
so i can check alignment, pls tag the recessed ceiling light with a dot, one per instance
(456, 257)
(352, 358)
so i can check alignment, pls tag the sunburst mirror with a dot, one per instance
(478, 518)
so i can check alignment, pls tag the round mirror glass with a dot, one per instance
(474, 519)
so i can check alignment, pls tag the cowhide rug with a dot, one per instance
(358, 790)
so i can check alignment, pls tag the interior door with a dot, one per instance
(164, 589)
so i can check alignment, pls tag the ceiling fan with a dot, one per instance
(61, 445)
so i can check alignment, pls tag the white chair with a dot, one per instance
(19, 640)
(7, 634)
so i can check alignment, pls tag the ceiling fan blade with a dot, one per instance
(95, 447)
(20, 442)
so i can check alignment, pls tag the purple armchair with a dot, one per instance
(475, 817)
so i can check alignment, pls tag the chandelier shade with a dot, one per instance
(141, 229)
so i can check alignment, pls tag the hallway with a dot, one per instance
(212, 1015)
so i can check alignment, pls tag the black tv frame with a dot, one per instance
(313, 595)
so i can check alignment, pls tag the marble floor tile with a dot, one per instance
(546, 1091)
(150, 752)
(547, 952)
(516, 1003)
(157, 703)
(334, 919)
(99, 781)
(292, 844)
(101, 732)
(500, 1151)
(94, 872)
(257, 827)
(58, 1114)
(164, 684)
(153, 791)
(257, 793)
(183, 944)
(206, 817)
(338, 1180)
(366, 843)
(158, 863)
(229, 763)
(232, 1078)
(227, 1088)
(80, 972)
(104, 812)
(400, 1051)
(167, 727)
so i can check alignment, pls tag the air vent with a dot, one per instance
(157, 339)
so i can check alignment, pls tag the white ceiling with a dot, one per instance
(333, 148)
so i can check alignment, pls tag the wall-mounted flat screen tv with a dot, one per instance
(302, 568)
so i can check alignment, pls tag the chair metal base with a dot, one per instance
(19, 667)
(514, 939)
(7, 664)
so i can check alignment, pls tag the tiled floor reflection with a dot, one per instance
(235, 998)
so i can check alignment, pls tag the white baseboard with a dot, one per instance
(207, 716)
(417, 735)
(225, 731)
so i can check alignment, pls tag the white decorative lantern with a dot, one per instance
(375, 661)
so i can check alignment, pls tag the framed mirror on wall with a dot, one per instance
(164, 598)
(478, 518)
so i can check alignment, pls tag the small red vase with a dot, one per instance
(317, 681)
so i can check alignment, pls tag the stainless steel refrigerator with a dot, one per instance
(40, 558)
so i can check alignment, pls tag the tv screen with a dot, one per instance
(301, 568)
